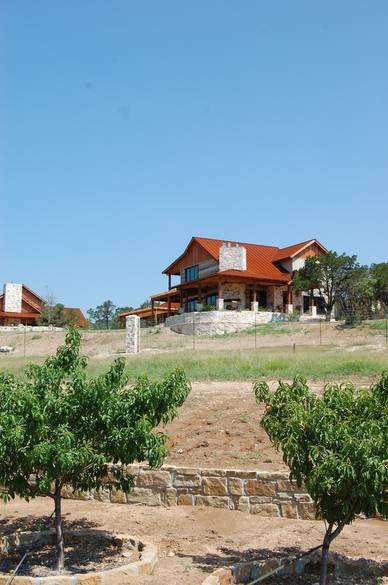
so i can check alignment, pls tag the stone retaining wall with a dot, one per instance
(256, 492)
(219, 322)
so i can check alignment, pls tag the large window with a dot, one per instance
(211, 300)
(191, 273)
(191, 305)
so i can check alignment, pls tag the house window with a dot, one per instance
(191, 305)
(191, 273)
(211, 300)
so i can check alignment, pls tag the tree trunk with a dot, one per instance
(58, 527)
(325, 555)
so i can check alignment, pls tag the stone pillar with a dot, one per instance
(255, 306)
(220, 304)
(132, 324)
(313, 310)
(13, 297)
(289, 309)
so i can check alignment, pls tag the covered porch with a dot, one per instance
(234, 293)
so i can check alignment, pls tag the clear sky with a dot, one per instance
(127, 127)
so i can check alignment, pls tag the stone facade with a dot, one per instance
(233, 257)
(219, 322)
(255, 492)
(13, 297)
(234, 292)
(132, 324)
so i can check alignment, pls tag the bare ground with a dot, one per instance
(219, 426)
(194, 541)
(107, 343)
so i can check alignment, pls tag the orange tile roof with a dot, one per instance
(261, 260)
(291, 251)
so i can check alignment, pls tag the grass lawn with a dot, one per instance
(317, 362)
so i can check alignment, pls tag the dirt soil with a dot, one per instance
(194, 541)
(89, 554)
(219, 426)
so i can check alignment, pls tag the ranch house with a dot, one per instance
(235, 276)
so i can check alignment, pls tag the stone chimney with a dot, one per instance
(233, 257)
(13, 297)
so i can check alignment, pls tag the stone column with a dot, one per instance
(220, 304)
(132, 324)
(254, 306)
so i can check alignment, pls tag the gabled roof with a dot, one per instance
(261, 260)
(292, 251)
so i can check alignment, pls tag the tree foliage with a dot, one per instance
(325, 273)
(355, 295)
(336, 445)
(379, 274)
(57, 316)
(103, 315)
(58, 428)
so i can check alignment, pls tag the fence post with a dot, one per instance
(193, 330)
(386, 329)
(255, 331)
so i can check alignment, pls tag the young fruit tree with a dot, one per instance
(336, 445)
(59, 428)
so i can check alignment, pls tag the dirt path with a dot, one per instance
(195, 541)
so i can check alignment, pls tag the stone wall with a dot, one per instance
(254, 492)
(13, 297)
(26, 328)
(233, 257)
(219, 322)
(234, 292)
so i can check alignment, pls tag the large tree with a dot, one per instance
(325, 273)
(336, 445)
(103, 315)
(59, 428)
(379, 274)
(355, 295)
(57, 316)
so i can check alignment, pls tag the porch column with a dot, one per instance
(254, 303)
(169, 282)
(153, 315)
(168, 306)
(289, 308)
(200, 300)
(220, 300)
(313, 308)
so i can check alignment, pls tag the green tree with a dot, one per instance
(355, 295)
(145, 305)
(379, 274)
(119, 323)
(58, 428)
(57, 316)
(103, 315)
(336, 445)
(325, 273)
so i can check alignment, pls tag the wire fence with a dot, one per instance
(201, 333)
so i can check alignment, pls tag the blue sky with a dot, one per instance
(128, 127)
